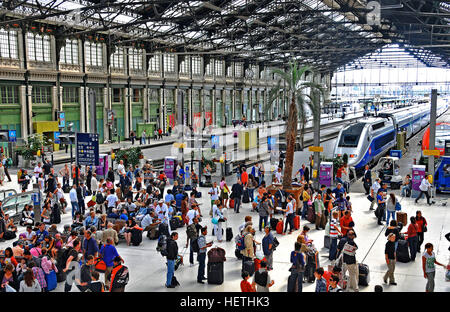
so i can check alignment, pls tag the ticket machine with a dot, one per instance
(170, 165)
(102, 168)
(418, 173)
(326, 174)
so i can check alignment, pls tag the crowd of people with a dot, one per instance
(107, 210)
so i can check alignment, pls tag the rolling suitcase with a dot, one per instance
(312, 263)
(402, 217)
(297, 222)
(364, 274)
(280, 227)
(229, 234)
(249, 266)
(231, 203)
(245, 197)
(173, 224)
(403, 251)
(273, 224)
(327, 241)
(311, 214)
(215, 273)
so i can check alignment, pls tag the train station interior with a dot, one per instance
(280, 84)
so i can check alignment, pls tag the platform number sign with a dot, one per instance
(12, 134)
(87, 149)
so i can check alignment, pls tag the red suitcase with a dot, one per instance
(280, 227)
(231, 203)
(297, 222)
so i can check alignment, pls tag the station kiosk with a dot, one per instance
(418, 173)
(326, 174)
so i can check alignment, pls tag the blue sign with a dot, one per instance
(36, 199)
(214, 141)
(62, 119)
(271, 141)
(56, 137)
(87, 151)
(12, 136)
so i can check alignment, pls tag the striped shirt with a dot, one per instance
(333, 228)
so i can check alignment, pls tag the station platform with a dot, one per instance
(148, 268)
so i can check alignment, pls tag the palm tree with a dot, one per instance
(295, 89)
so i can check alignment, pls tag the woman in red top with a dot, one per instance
(421, 223)
(245, 284)
(412, 238)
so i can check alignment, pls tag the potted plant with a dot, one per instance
(30, 149)
(294, 87)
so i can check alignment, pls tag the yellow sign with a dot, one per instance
(179, 145)
(316, 149)
(431, 153)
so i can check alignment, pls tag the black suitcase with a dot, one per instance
(215, 273)
(136, 237)
(403, 251)
(66, 189)
(273, 224)
(229, 234)
(198, 194)
(292, 285)
(238, 254)
(187, 187)
(364, 274)
(245, 197)
(327, 241)
(312, 263)
(248, 266)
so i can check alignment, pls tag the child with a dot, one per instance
(349, 204)
(334, 287)
(95, 285)
(321, 283)
(21, 269)
(245, 284)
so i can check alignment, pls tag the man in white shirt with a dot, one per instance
(37, 170)
(374, 191)
(214, 192)
(74, 200)
(121, 168)
(94, 184)
(162, 211)
(191, 214)
(278, 178)
(424, 187)
(289, 215)
(112, 200)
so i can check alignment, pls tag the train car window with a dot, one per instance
(350, 136)
(377, 126)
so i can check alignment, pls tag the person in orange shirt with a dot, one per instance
(345, 222)
(244, 177)
(246, 286)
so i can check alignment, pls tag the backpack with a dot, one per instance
(194, 245)
(261, 278)
(162, 245)
(191, 232)
(240, 245)
(99, 198)
(122, 277)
